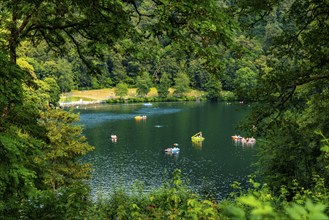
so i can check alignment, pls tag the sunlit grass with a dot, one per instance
(105, 94)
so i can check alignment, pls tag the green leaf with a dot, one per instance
(318, 216)
(235, 212)
(266, 210)
(135, 206)
(325, 148)
(296, 212)
(293, 214)
(250, 200)
(319, 208)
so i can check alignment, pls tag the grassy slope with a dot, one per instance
(105, 94)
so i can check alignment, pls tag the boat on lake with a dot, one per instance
(197, 137)
(172, 150)
(236, 137)
(114, 138)
(243, 140)
(140, 117)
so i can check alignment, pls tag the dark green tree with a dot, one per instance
(163, 86)
(244, 83)
(247, 57)
(16, 146)
(59, 22)
(121, 90)
(213, 88)
(291, 96)
(198, 74)
(143, 84)
(39, 146)
(58, 164)
(182, 84)
(53, 90)
(118, 71)
(61, 70)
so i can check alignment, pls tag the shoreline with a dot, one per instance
(81, 102)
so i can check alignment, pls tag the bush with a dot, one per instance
(258, 202)
(175, 200)
(66, 203)
(228, 96)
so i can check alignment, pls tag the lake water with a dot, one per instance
(138, 153)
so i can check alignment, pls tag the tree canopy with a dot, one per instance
(291, 97)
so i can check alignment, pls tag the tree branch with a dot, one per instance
(77, 46)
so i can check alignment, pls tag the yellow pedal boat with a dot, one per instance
(197, 137)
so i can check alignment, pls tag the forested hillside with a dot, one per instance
(272, 53)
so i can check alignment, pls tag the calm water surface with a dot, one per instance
(139, 153)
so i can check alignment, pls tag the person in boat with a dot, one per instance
(237, 137)
(114, 138)
(174, 148)
(252, 140)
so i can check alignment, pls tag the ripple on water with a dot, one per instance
(92, 119)
(139, 152)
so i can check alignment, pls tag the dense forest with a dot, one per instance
(272, 53)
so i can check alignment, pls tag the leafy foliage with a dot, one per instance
(39, 146)
(171, 201)
(292, 97)
(121, 90)
(143, 84)
(65, 145)
(174, 200)
(181, 84)
(163, 86)
(214, 87)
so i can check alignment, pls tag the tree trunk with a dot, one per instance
(12, 49)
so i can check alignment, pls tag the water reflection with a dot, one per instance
(243, 141)
(197, 144)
